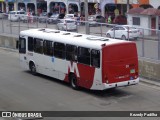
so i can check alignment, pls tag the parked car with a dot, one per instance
(70, 16)
(95, 19)
(120, 20)
(123, 32)
(1, 15)
(28, 17)
(66, 24)
(54, 18)
(43, 17)
(15, 15)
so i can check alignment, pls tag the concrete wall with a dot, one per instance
(147, 68)
(8, 41)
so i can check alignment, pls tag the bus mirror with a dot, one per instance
(17, 44)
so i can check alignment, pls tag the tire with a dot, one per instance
(108, 35)
(73, 82)
(123, 37)
(33, 68)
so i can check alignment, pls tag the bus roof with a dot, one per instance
(72, 38)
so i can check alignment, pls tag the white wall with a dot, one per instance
(154, 3)
(144, 22)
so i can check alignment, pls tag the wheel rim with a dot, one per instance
(33, 69)
(73, 82)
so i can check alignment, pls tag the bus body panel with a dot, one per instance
(86, 75)
(120, 63)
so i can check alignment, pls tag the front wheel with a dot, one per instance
(33, 68)
(108, 35)
(123, 37)
(73, 82)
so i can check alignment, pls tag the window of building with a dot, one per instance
(84, 55)
(59, 50)
(30, 44)
(95, 58)
(71, 52)
(38, 45)
(136, 20)
(48, 48)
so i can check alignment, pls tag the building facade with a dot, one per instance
(74, 6)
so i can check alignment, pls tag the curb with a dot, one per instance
(150, 82)
(9, 49)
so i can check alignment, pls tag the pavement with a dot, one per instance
(142, 80)
(150, 82)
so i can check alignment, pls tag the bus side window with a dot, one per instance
(95, 58)
(22, 45)
(38, 45)
(59, 50)
(71, 52)
(84, 55)
(30, 44)
(48, 48)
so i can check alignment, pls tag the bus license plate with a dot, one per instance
(132, 71)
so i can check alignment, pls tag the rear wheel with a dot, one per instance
(32, 68)
(73, 82)
(123, 37)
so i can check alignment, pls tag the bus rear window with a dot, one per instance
(120, 51)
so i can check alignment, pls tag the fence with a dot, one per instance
(147, 40)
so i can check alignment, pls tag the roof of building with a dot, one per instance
(142, 11)
(135, 10)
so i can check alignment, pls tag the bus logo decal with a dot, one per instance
(73, 68)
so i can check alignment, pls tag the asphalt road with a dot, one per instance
(21, 91)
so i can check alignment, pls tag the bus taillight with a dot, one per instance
(106, 78)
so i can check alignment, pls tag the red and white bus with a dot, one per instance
(88, 61)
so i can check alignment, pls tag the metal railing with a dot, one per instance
(148, 41)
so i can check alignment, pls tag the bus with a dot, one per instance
(92, 62)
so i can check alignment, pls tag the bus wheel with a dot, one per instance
(73, 82)
(32, 68)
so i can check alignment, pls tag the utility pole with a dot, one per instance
(86, 17)
(127, 5)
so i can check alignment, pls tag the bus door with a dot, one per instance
(22, 52)
(49, 60)
(38, 55)
(59, 60)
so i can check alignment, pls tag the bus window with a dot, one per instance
(59, 50)
(71, 52)
(48, 48)
(22, 45)
(30, 44)
(95, 58)
(84, 55)
(38, 45)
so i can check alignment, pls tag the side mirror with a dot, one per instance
(17, 44)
